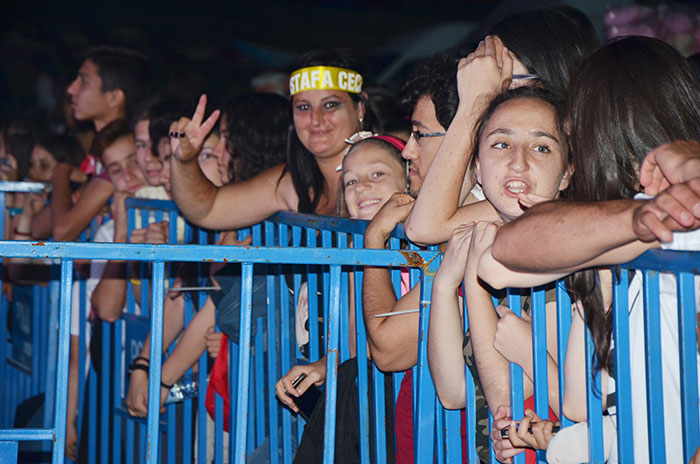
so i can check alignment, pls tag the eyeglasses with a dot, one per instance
(417, 135)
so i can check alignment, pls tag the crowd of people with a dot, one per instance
(536, 155)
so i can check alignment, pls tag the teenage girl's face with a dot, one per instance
(520, 152)
(164, 153)
(120, 162)
(148, 162)
(41, 164)
(323, 119)
(208, 159)
(370, 176)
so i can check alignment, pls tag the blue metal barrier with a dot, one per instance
(253, 415)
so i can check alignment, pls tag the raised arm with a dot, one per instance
(393, 341)
(482, 74)
(232, 206)
(68, 219)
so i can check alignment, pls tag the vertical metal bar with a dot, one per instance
(3, 357)
(424, 413)
(312, 286)
(276, 367)
(563, 327)
(92, 417)
(60, 411)
(241, 399)
(187, 404)
(154, 387)
(623, 379)
(342, 241)
(117, 390)
(652, 336)
(594, 405)
(440, 432)
(105, 378)
(332, 366)
(688, 364)
(3, 208)
(362, 362)
(260, 385)
(51, 379)
(516, 374)
(540, 358)
(470, 405)
(453, 436)
(219, 427)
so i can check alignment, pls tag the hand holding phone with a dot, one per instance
(306, 402)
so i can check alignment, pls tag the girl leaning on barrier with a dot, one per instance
(519, 148)
(626, 105)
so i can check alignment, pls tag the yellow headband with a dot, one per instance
(325, 77)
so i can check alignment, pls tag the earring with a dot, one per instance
(360, 120)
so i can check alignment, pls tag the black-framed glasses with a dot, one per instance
(417, 135)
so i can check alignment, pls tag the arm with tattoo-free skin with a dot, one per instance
(68, 219)
(541, 239)
(393, 341)
(208, 206)
(480, 76)
(445, 333)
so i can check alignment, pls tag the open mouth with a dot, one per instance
(516, 187)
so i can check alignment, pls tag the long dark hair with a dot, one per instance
(550, 42)
(629, 97)
(257, 132)
(307, 178)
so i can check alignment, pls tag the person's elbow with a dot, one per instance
(109, 314)
(451, 397)
(415, 233)
(64, 232)
(575, 410)
(391, 360)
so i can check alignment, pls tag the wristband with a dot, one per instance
(165, 385)
(140, 358)
(137, 367)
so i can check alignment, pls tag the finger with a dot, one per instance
(199, 111)
(679, 204)
(648, 227)
(498, 51)
(489, 46)
(503, 310)
(210, 122)
(506, 67)
(480, 49)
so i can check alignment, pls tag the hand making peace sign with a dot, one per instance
(188, 135)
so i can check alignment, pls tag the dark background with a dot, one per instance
(218, 46)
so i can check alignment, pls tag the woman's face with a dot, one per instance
(520, 152)
(41, 164)
(370, 176)
(208, 159)
(119, 159)
(323, 119)
(164, 153)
